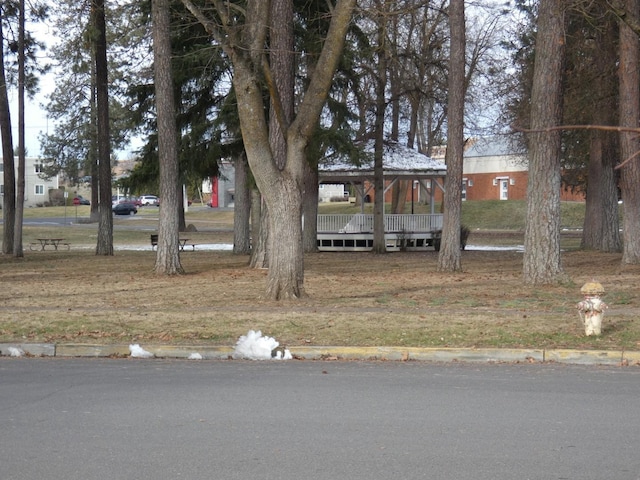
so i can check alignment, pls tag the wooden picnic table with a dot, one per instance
(44, 242)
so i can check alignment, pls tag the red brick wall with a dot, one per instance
(483, 188)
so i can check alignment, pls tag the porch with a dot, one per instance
(354, 232)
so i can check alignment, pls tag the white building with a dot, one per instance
(328, 191)
(36, 193)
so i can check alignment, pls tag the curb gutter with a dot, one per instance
(485, 355)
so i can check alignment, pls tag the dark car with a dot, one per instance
(124, 208)
(80, 200)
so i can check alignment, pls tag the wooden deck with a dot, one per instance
(349, 233)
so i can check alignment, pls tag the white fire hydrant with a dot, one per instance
(591, 309)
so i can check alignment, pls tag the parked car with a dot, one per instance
(149, 200)
(124, 208)
(80, 200)
(115, 199)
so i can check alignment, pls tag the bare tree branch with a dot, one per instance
(605, 128)
(211, 27)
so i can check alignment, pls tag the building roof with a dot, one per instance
(495, 146)
(398, 160)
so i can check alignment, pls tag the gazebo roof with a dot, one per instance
(398, 161)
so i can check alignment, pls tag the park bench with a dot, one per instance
(184, 242)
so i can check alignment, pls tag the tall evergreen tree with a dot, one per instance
(206, 134)
(168, 256)
(20, 184)
(104, 244)
(9, 173)
(449, 256)
(591, 98)
(13, 16)
(380, 101)
(71, 147)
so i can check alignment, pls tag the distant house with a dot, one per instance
(221, 190)
(36, 186)
(496, 168)
(328, 192)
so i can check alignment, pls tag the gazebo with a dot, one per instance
(402, 231)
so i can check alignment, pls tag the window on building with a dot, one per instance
(38, 168)
(465, 183)
(39, 189)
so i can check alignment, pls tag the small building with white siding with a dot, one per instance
(37, 187)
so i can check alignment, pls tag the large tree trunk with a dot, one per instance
(286, 267)
(601, 229)
(9, 173)
(286, 278)
(242, 208)
(449, 256)
(104, 245)
(168, 254)
(281, 190)
(541, 261)
(280, 186)
(629, 143)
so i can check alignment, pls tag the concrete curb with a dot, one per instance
(484, 355)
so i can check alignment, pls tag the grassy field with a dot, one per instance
(397, 299)
(484, 215)
(485, 219)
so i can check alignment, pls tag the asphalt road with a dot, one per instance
(166, 419)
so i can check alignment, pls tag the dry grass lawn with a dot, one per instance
(395, 299)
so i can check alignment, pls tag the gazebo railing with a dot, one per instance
(413, 223)
(363, 223)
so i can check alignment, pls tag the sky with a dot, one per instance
(35, 116)
(36, 121)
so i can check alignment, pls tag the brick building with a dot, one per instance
(496, 168)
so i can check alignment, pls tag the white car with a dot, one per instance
(149, 200)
